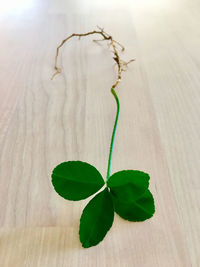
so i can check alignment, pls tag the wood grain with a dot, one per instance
(44, 122)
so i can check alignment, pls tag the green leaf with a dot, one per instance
(96, 219)
(76, 180)
(128, 185)
(141, 209)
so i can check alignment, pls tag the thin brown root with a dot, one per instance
(122, 65)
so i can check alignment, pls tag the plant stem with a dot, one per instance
(113, 133)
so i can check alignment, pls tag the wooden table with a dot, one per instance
(45, 122)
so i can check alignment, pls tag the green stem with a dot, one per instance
(113, 133)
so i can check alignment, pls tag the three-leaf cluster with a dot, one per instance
(126, 192)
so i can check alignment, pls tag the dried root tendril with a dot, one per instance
(122, 65)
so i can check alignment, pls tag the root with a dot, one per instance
(122, 65)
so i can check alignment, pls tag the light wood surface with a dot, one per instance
(44, 122)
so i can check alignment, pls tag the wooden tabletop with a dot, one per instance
(44, 122)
